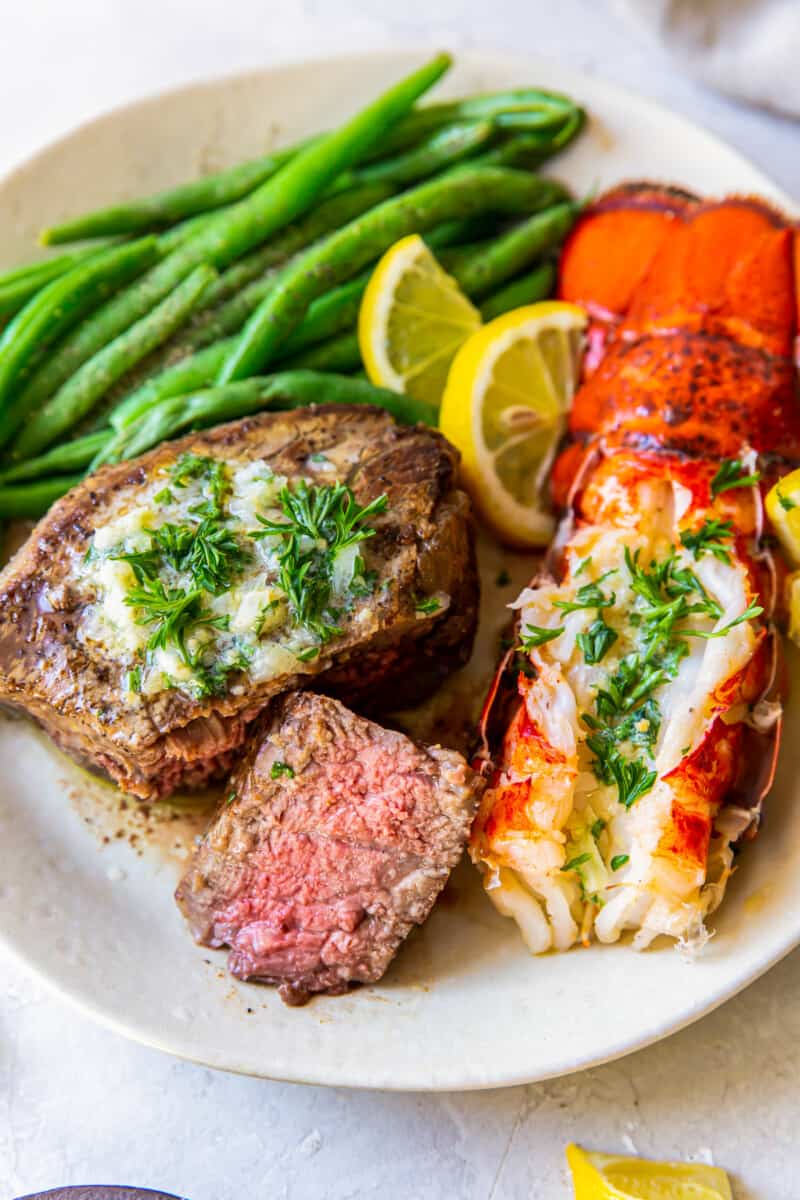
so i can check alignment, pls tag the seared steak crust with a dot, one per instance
(334, 841)
(393, 655)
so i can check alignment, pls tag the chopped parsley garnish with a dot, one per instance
(165, 496)
(578, 861)
(214, 557)
(632, 778)
(279, 769)
(321, 521)
(214, 680)
(307, 655)
(588, 596)
(597, 639)
(209, 552)
(708, 539)
(732, 474)
(503, 579)
(786, 502)
(174, 613)
(626, 713)
(430, 605)
(753, 610)
(135, 679)
(535, 635)
(143, 563)
(208, 471)
(619, 860)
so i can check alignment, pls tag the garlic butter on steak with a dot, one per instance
(158, 607)
(224, 570)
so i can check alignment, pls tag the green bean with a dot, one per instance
(570, 124)
(336, 312)
(473, 108)
(170, 239)
(329, 214)
(224, 187)
(92, 381)
(330, 314)
(442, 149)
(31, 500)
(523, 150)
(463, 191)
(485, 269)
(570, 130)
(238, 228)
(63, 302)
(527, 289)
(19, 285)
(288, 389)
(228, 318)
(208, 334)
(195, 371)
(165, 208)
(337, 309)
(341, 353)
(69, 456)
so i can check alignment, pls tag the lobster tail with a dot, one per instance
(629, 740)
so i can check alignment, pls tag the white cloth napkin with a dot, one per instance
(748, 48)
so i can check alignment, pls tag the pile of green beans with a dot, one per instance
(263, 266)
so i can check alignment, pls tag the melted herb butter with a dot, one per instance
(223, 572)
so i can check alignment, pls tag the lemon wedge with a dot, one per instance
(413, 318)
(783, 510)
(505, 406)
(607, 1177)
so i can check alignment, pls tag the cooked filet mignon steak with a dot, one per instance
(160, 605)
(335, 839)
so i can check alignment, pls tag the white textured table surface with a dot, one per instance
(79, 1105)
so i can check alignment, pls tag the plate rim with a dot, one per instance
(356, 1079)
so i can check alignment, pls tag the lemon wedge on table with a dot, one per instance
(413, 318)
(505, 405)
(607, 1177)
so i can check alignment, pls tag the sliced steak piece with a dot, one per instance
(335, 840)
(399, 636)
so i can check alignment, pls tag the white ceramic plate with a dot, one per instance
(86, 885)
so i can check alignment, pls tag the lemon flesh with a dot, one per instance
(505, 407)
(413, 319)
(783, 509)
(608, 1177)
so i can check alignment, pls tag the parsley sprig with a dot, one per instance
(597, 639)
(708, 539)
(537, 635)
(174, 613)
(626, 710)
(732, 474)
(321, 522)
(588, 596)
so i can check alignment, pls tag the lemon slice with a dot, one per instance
(606, 1177)
(783, 510)
(505, 405)
(413, 319)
